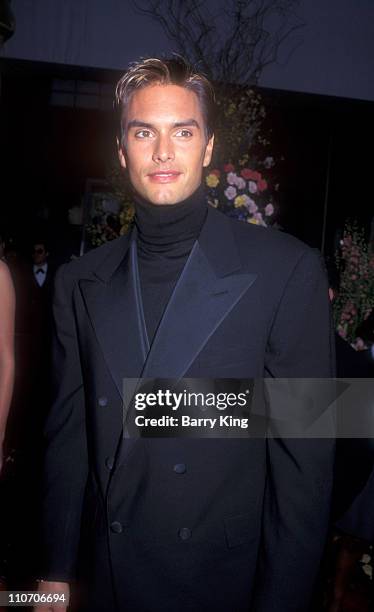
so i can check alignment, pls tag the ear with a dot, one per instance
(208, 152)
(121, 155)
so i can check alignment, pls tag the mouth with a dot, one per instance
(166, 176)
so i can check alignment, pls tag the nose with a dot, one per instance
(163, 151)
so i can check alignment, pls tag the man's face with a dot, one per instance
(39, 254)
(165, 146)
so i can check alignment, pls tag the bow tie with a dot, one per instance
(40, 270)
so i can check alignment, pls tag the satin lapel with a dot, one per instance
(115, 310)
(210, 285)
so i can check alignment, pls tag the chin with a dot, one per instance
(167, 196)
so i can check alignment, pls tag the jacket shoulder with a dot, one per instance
(256, 242)
(85, 266)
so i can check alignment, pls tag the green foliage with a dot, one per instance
(355, 263)
(240, 116)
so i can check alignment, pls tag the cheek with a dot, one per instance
(137, 155)
(192, 158)
(135, 166)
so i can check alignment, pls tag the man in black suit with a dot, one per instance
(39, 304)
(33, 281)
(148, 525)
(40, 296)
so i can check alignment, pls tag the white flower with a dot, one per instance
(368, 570)
(240, 182)
(232, 177)
(230, 193)
(258, 217)
(269, 162)
(269, 209)
(252, 186)
(252, 206)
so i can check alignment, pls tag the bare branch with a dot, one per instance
(247, 40)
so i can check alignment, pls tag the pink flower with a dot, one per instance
(246, 173)
(232, 178)
(262, 185)
(249, 174)
(229, 168)
(269, 210)
(216, 172)
(230, 193)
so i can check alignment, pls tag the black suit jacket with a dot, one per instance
(246, 518)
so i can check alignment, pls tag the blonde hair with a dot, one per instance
(173, 71)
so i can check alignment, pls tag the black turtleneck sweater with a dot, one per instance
(166, 234)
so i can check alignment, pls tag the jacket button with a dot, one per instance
(116, 527)
(102, 401)
(180, 468)
(184, 533)
(109, 462)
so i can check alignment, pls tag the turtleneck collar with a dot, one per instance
(169, 229)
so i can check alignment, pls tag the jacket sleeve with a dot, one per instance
(66, 461)
(299, 471)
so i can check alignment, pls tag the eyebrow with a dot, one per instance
(136, 123)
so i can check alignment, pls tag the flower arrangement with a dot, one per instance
(242, 182)
(110, 212)
(239, 124)
(242, 192)
(355, 263)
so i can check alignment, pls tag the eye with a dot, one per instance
(143, 134)
(184, 133)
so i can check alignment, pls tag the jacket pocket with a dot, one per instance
(239, 529)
